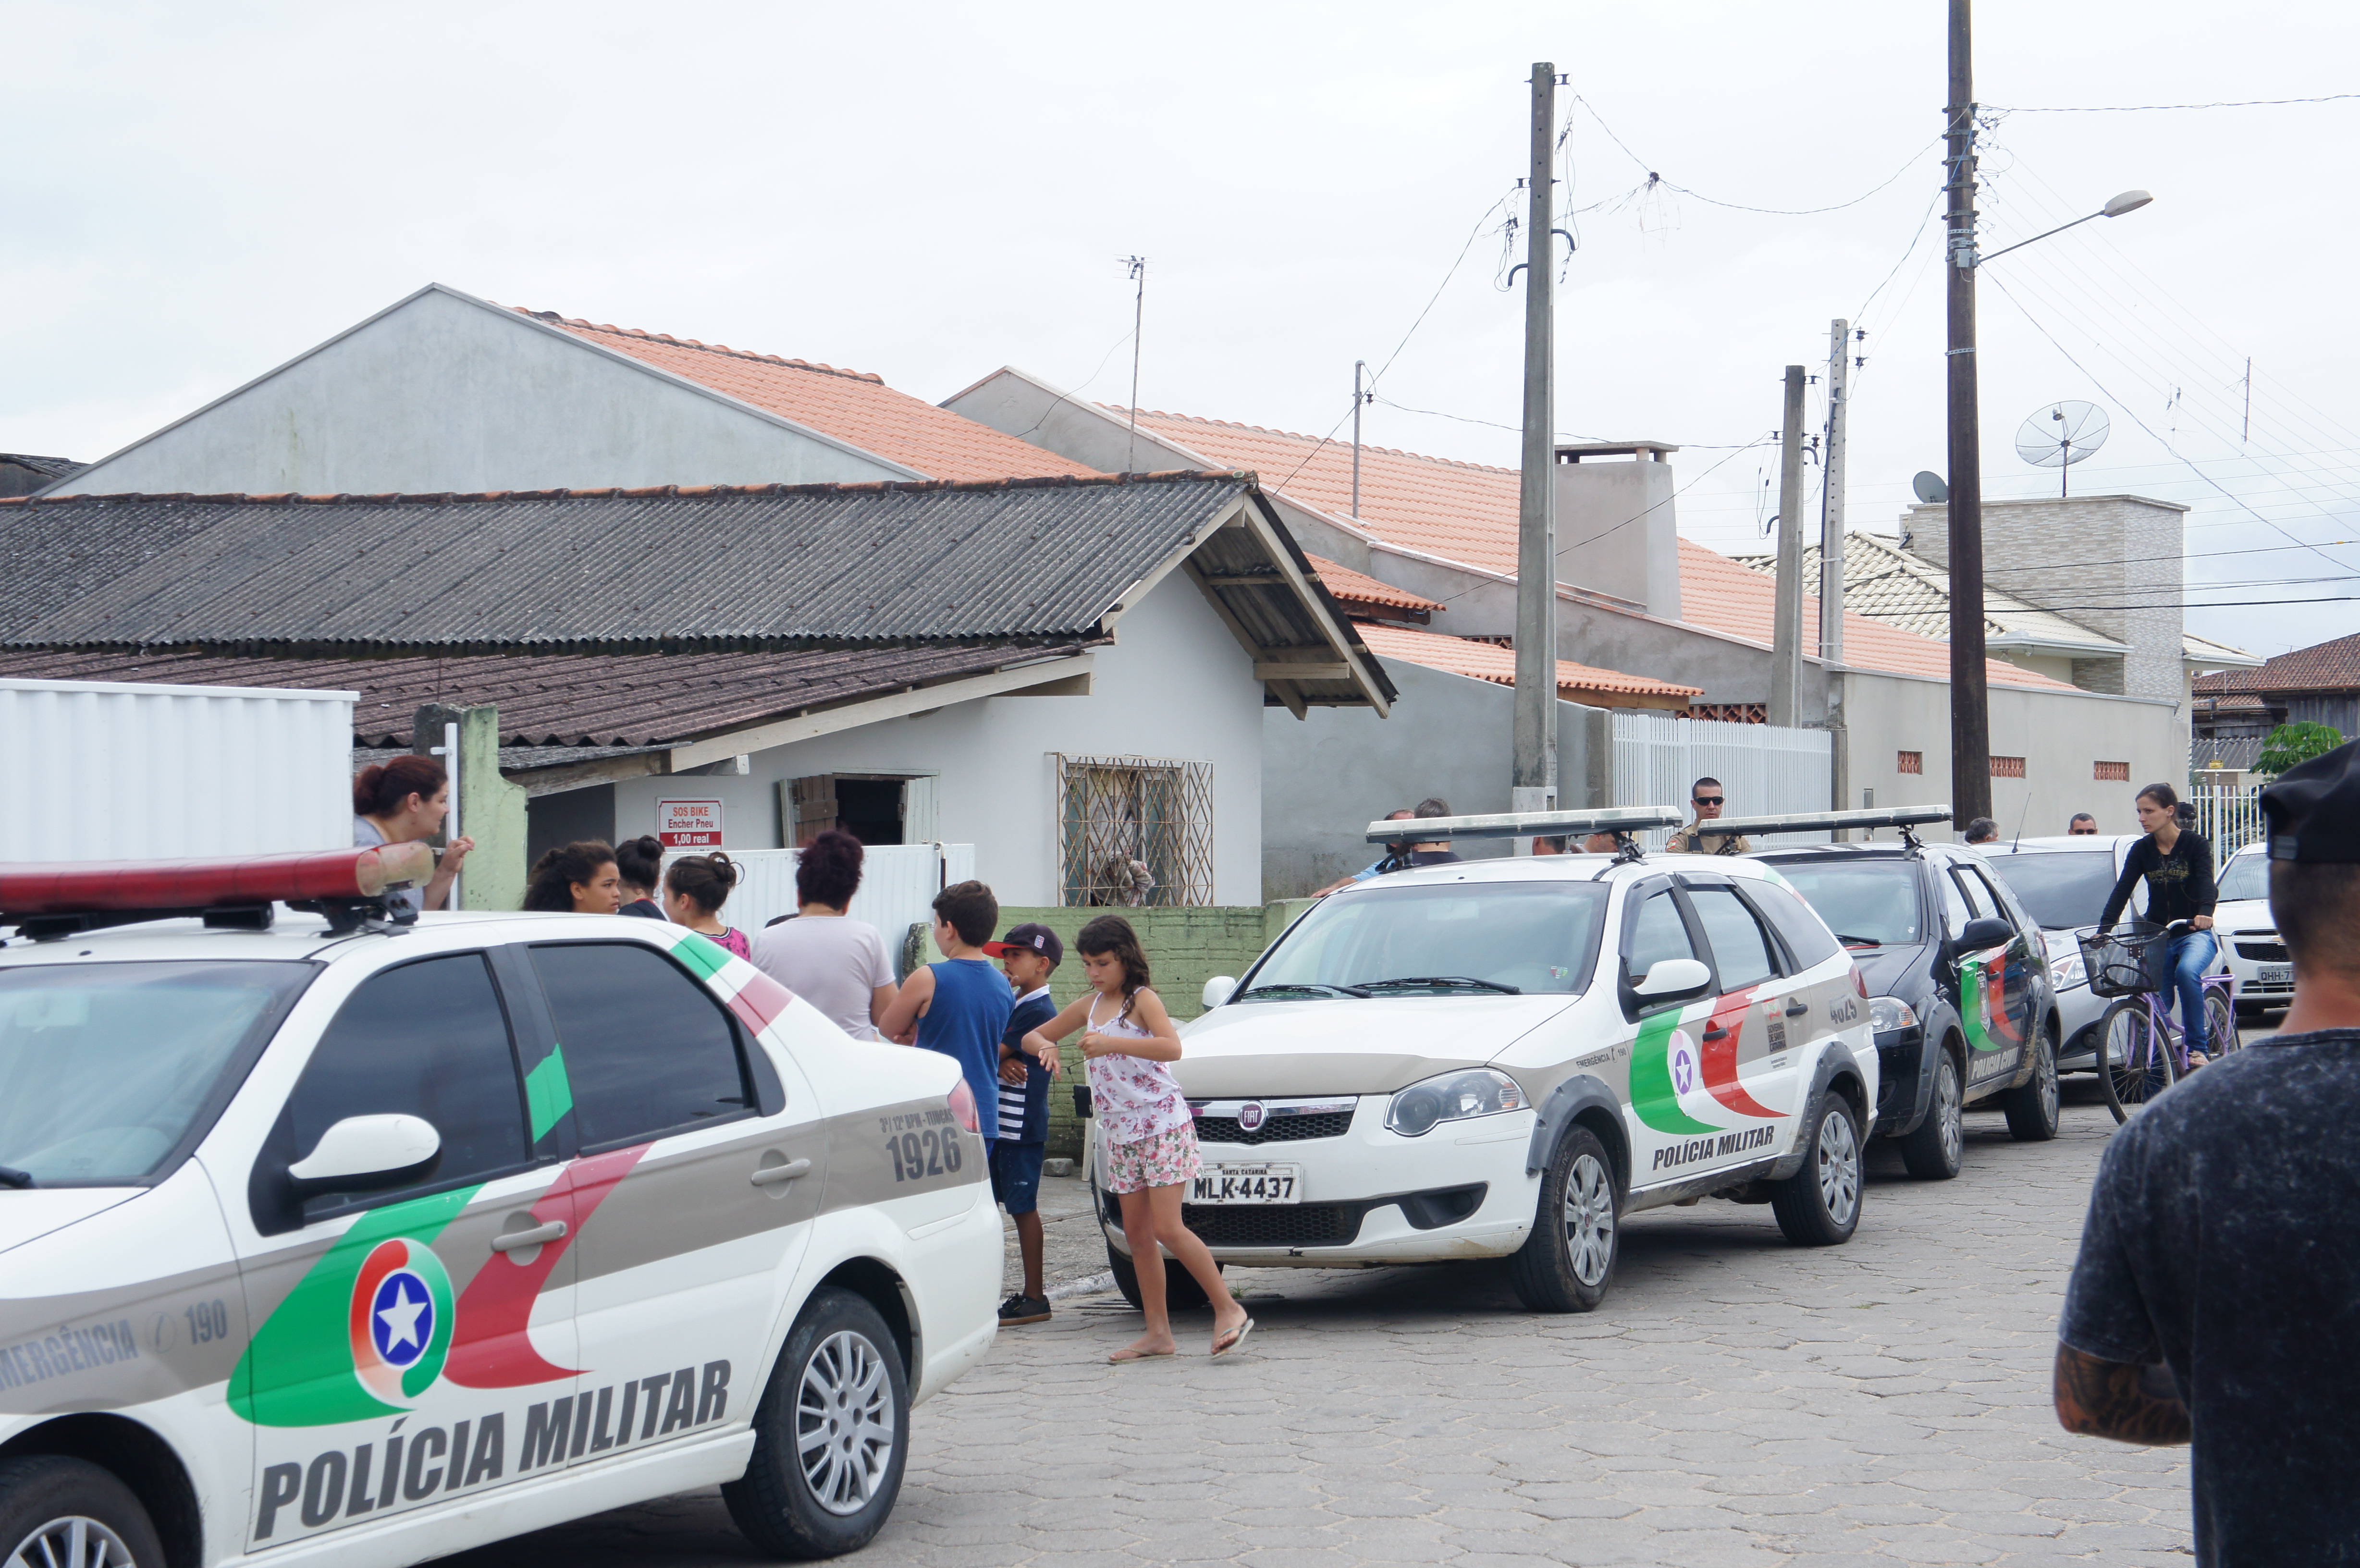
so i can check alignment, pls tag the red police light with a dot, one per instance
(119, 886)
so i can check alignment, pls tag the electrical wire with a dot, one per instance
(1655, 178)
(2156, 108)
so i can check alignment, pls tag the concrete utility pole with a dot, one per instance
(1786, 635)
(1358, 397)
(1532, 782)
(1970, 701)
(1831, 512)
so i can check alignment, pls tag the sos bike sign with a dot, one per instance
(689, 824)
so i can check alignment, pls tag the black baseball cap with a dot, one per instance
(1030, 937)
(2314, 810)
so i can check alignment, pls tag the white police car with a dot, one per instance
(373, 1242)
(1502, 1057)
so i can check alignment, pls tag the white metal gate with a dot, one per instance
(897, 884)
(2228, 815)
(1763, 771)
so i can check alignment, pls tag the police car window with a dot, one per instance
(1983, 894)
(425, 1039)
(1657, 935)
(1980, 903)
(1806, 935)
(1740, 949)
(648, 1050)
(1955, 913)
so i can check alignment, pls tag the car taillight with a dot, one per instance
(963, 1106)
(1860, 982)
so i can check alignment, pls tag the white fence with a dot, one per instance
(897, 884)
(2228, 815)
(1763, 770)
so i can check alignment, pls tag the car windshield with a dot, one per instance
(2245, 876)
(2061, 889)
(1452, 938)
(1867, 903)
(107, 1070)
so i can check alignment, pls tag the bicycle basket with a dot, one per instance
(2116, 964)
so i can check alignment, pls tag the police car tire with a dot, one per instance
(772, 1504)
(1181, 1291)
(1936, 1148)
(47, 1491)
(1797, 1202)
(2034, 1107)
(1542, 1270)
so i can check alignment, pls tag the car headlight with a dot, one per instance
(1454, 1096)
(1887, 1014)
(2067, 971)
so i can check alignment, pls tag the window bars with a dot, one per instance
(1134, 831)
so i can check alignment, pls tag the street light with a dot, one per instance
(2128, 201)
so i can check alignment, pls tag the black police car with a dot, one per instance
(1959, 983)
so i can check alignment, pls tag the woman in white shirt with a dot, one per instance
(404, 801)
(823, 955)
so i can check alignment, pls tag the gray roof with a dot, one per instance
(52, 467)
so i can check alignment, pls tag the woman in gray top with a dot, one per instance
(404, 801)
(822, 954)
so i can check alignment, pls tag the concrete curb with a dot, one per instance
(1088, 1285)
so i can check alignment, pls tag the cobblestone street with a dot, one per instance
(1736, 1401)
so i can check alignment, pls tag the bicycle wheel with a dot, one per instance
(2220, 1023)
(2139, 1066)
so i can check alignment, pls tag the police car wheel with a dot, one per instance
(72, 1514)
(1935, 1149)
(1181, 1291)
(2032, 1109)
(1819, 1205)
(831, 1435)
(1567, 1263)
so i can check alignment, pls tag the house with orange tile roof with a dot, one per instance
(1633, 596)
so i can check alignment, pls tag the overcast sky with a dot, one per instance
(930, 192)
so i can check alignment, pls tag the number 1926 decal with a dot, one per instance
(937, 1151)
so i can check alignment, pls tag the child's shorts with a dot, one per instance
(1016, 1175)
(1167, 1159)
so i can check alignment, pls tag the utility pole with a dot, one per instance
(1358, 397)
(1532, 782)
(1831, 508)
(1970, 700)
(1138, 265)
(1786, 635)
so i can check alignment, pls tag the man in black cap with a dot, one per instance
(2217, 1295)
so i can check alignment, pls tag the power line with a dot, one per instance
(1655, 178)
(2156, 108)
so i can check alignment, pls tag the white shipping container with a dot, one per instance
(109, 771)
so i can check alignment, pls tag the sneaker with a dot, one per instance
(1023, 1309)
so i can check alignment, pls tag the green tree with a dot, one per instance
(2291, 744)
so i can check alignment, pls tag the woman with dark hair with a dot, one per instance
(821, 954)
(639, 861)
(404, 801)
(695, 888)
(577, 878)
(2176, 863)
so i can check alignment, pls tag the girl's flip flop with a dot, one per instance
(1225, 1341)
(1125, 1357)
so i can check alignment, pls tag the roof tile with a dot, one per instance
(1496, 662)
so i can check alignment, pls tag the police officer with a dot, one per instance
(1709, 799)
(2217, 1295)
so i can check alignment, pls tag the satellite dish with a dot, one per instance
(1929, 487)
(2060, 435)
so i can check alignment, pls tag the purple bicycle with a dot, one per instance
(2143, 1051)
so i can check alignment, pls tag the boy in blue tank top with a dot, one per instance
(960, 1005)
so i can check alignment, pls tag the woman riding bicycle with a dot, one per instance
(2177, 866)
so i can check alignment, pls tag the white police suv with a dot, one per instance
(1503, 1058)
(326, 1236)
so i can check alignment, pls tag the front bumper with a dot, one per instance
(1901, 1090)
(1370, 1196)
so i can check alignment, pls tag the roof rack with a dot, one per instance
(1618, 820)
(350, 887)
(1902, 817)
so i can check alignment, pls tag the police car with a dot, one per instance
(326, 1235)
(1503, 1058)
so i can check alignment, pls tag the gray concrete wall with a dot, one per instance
(443, 392)
(1616, 531)
(1325, 777)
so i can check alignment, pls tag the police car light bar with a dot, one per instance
(68, 896)
(1825, 821)
(1516, 824)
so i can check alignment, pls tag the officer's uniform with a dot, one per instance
(1688, 840)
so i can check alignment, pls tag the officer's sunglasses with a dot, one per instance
(1708, 800)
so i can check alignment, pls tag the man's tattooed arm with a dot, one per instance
(2113, 1398)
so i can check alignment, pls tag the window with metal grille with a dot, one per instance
(2008, 768)
(2111, 772)
(1134, 831)
(1910, 762)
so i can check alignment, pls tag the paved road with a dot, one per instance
(1736, 1401)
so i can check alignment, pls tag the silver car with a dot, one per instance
(2249, 934)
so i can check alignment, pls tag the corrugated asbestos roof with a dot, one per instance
(54, 467)
(679, 568)
(563, 700)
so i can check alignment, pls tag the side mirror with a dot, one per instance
(1988, 931)
(1674, 979)
(1220, 989)
(361, 1154)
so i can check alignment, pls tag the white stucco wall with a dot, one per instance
(1176, 685)
(2060, 736)
(443, 392)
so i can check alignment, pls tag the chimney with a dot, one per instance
(1615, 529)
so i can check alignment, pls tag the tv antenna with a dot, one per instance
(2061, 435)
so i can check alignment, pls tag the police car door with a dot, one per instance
(1992, 989)
(2010, 980)
(1677, 1125)
(1749, 1061)
(401, 1327)
(709, 1151)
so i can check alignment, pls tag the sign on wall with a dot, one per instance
(689, 824)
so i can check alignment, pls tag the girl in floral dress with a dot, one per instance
(1128, 1045)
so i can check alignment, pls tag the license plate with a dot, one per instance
(1247, 1184)
(2275, 975)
